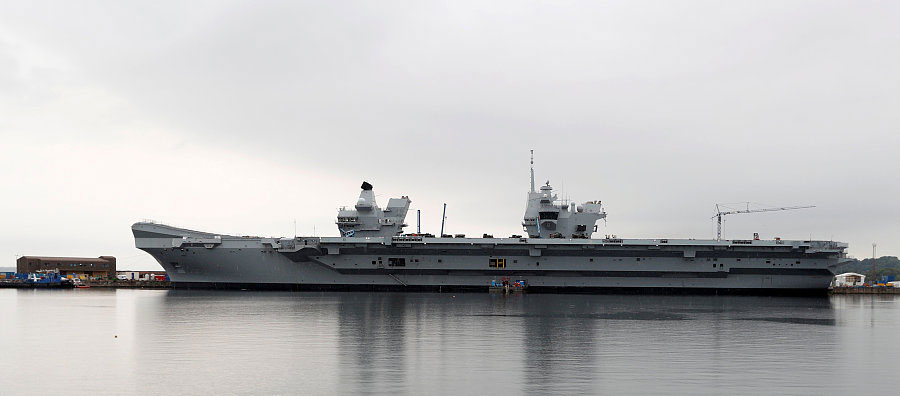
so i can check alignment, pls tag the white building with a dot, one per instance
(849, 279)
(128, 275)
(139, 275)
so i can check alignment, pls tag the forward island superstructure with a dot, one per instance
(558, 254)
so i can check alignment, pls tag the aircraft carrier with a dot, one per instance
(556, 254)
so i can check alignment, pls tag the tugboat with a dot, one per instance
(48, 279)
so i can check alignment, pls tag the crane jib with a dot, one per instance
(719, 214)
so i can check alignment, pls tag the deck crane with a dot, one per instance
(720, 214)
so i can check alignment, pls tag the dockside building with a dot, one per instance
(92, 267)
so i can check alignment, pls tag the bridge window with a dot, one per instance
(497, 263)
(549, 215)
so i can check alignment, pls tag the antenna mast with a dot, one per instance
(532, 170)
(443, 219)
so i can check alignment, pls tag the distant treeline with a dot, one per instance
(885, 265)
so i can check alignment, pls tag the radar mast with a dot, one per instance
(532, 170)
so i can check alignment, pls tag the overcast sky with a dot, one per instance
(241, 117)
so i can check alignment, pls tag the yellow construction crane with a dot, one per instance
(720, 214)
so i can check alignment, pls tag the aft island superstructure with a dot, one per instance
(557, 254)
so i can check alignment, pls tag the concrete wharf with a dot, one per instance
(864, 290)
(113, 284)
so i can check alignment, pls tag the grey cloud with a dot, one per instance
(660, 109)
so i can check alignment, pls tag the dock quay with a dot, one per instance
(864, 290)
(130, 284)
(111, 284)
(21, 284)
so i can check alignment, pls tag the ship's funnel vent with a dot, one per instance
(366, 186)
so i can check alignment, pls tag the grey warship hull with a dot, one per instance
(413, 263)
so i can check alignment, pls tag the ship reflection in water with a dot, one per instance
(182, 341)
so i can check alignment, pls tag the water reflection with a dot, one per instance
(372, 341)
(560, 338)
(325, 343)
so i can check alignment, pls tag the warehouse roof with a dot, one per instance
(68, 259)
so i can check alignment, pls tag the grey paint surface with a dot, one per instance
(372, 252)
(606, 263)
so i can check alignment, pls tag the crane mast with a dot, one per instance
(720, 214)
(872, 281)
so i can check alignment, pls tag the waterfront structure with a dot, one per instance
(82, 267)
(558, 254)
(141, 275)
(849, 279)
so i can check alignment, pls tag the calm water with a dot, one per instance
(217, 342)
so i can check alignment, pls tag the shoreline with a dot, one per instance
(107, 284)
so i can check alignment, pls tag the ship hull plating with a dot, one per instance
(194, 259)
